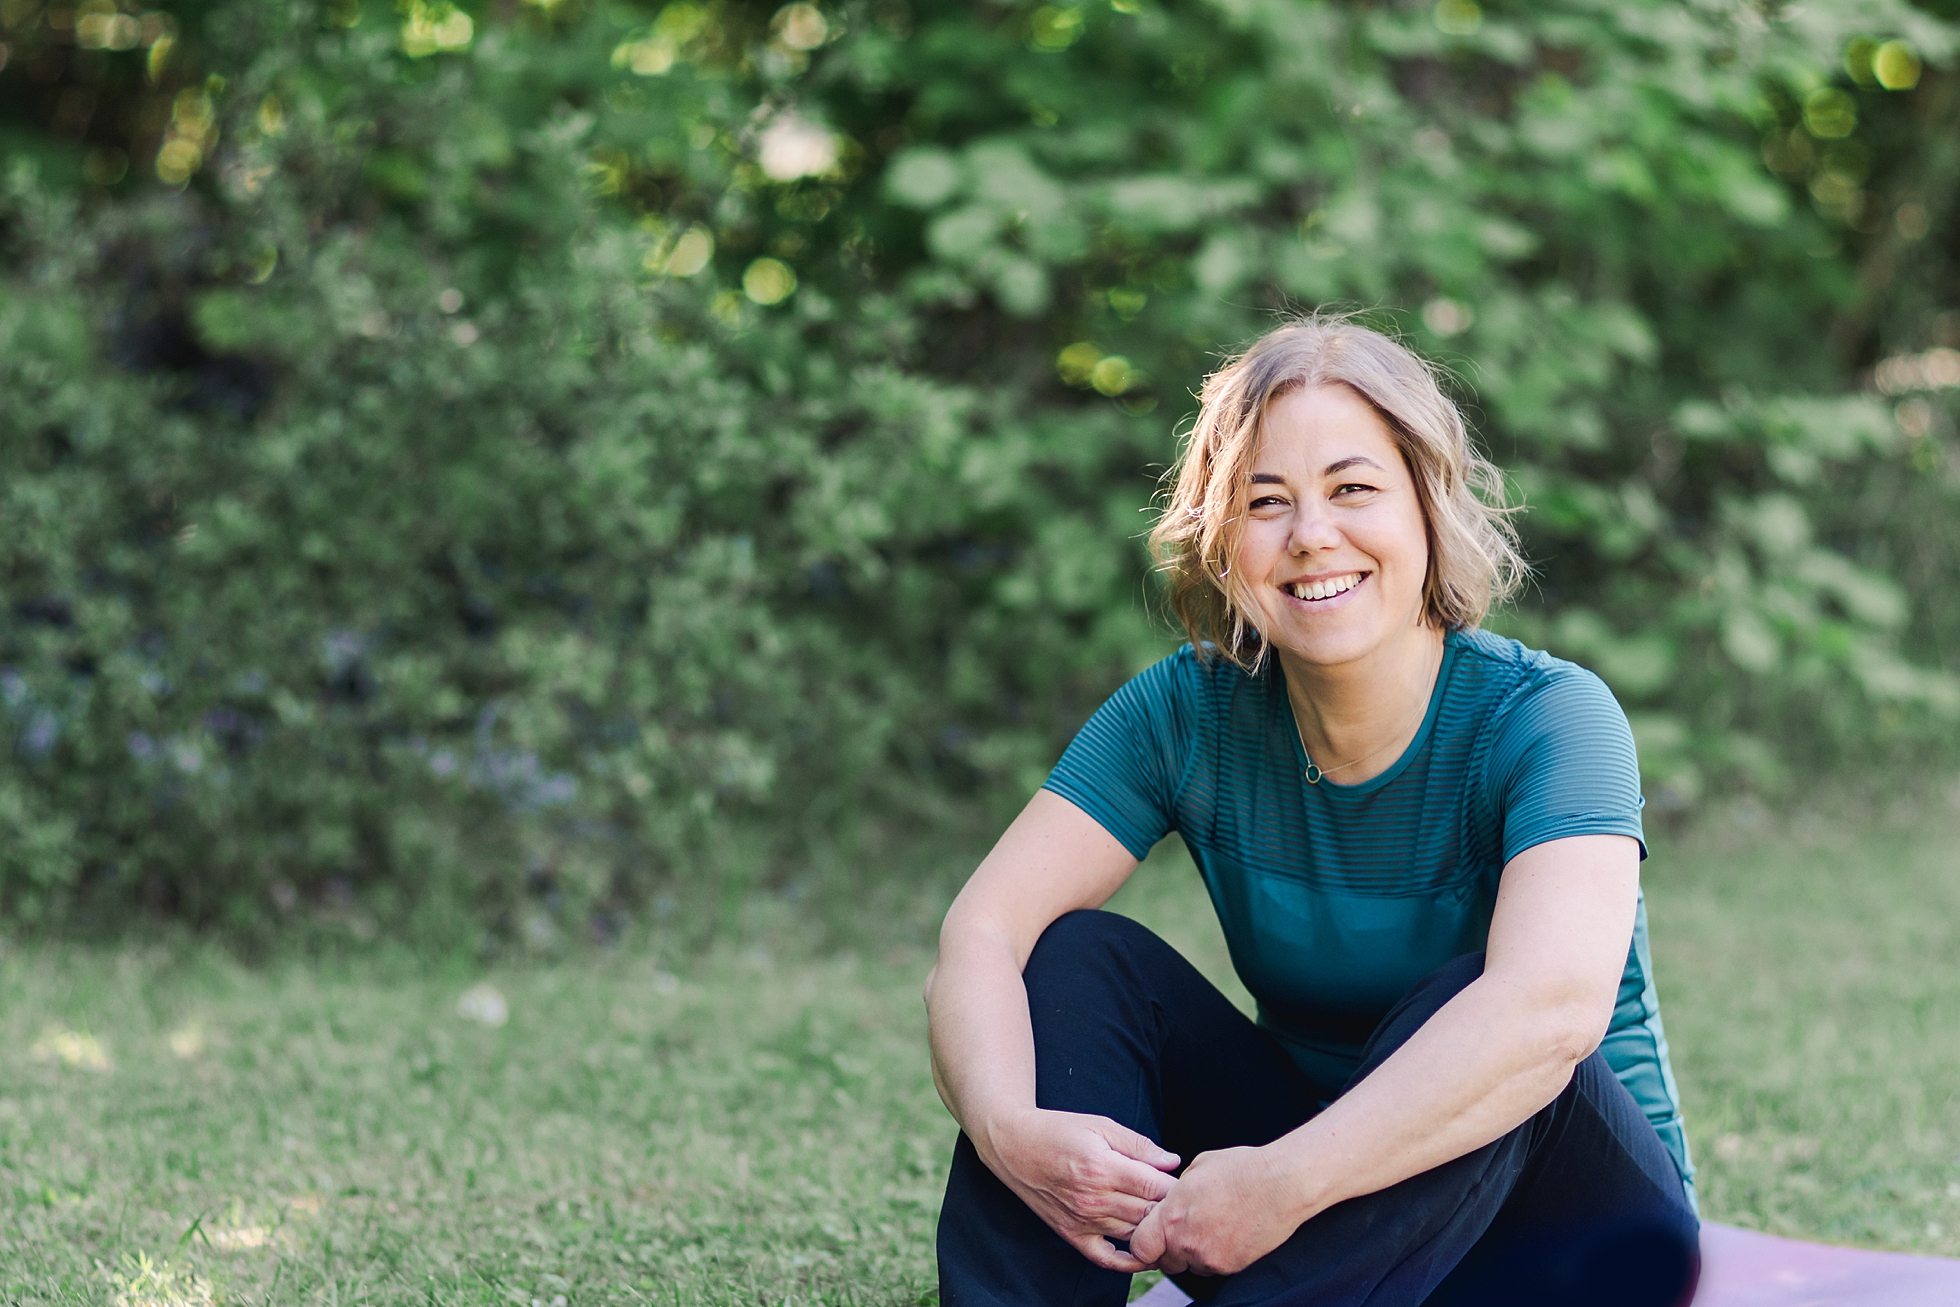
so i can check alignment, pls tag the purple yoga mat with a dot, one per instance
(1741, 1268)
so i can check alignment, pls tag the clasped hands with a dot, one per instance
(1093, 1180)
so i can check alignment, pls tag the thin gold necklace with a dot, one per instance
(1314, 773)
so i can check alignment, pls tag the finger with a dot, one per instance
(1106, 1215)
(1131, 1144)
(1112, 1209)
(1107, 1255)
(1086, 1183)
(1116, 1215)
(1131, 1177)
(1113, 1228)
(1115, 1224)
(1147, 1242)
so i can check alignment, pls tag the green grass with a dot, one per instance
(1811, 983)
(749, 1131)
(175, 1129)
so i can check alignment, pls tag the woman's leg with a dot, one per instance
(1578, 1207)
(1579, 1202)
(1124, 1028)
(1597, 1219)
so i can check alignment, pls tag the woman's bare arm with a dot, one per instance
(1086, 1176)
(1486, 1062)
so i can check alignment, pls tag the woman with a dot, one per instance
(1423, 842)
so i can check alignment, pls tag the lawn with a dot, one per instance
(757, 1126)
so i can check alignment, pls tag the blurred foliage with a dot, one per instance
(533, 465)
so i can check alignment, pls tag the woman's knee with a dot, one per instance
(1423, 1000)
(1450, 979)
(1088, 931)
(1427, 996)
(1089, 942)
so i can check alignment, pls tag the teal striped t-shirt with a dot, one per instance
(1336, 899)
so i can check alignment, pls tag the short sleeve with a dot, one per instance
(1564, 763)
(1123, 765)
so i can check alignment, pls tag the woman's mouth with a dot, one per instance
(1324, 589)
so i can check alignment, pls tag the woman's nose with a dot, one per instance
(1313, 528)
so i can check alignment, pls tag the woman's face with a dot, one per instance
(1335, 551)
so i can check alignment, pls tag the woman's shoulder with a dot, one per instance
(1516, 684)
(1554, 755)
(1513, 663)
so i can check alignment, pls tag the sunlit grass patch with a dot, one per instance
(187, 1041)
(145, 1283)
(70, 1048)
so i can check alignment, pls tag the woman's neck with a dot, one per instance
(1356, 718)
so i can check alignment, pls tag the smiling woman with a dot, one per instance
(1423, 844)
(1388, 399)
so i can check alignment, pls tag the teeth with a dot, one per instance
(1324, 589)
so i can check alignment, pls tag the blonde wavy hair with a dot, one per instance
(1474, 560)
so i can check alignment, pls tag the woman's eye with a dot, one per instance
(1352, 489)
(1266, 501)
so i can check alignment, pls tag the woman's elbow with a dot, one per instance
(1556, 1026)
(1572, 1032)
(1556, 1021)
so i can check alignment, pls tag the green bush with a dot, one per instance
(533, 466)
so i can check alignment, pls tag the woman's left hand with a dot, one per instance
(1227, 1210)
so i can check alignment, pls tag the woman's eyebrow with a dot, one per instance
(1268, 479)
(1346, 463)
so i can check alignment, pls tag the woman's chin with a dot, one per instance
(1337, 638)
(1326, 648)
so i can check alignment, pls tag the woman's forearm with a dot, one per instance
(982, 1041)
(1053, 859)
(1484, 1064)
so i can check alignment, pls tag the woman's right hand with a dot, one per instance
(1086, 1176)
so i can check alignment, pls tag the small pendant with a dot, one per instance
(1313, 773)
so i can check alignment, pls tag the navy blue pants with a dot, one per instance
(1580, 1206)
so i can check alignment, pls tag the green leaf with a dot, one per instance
(924, 178)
